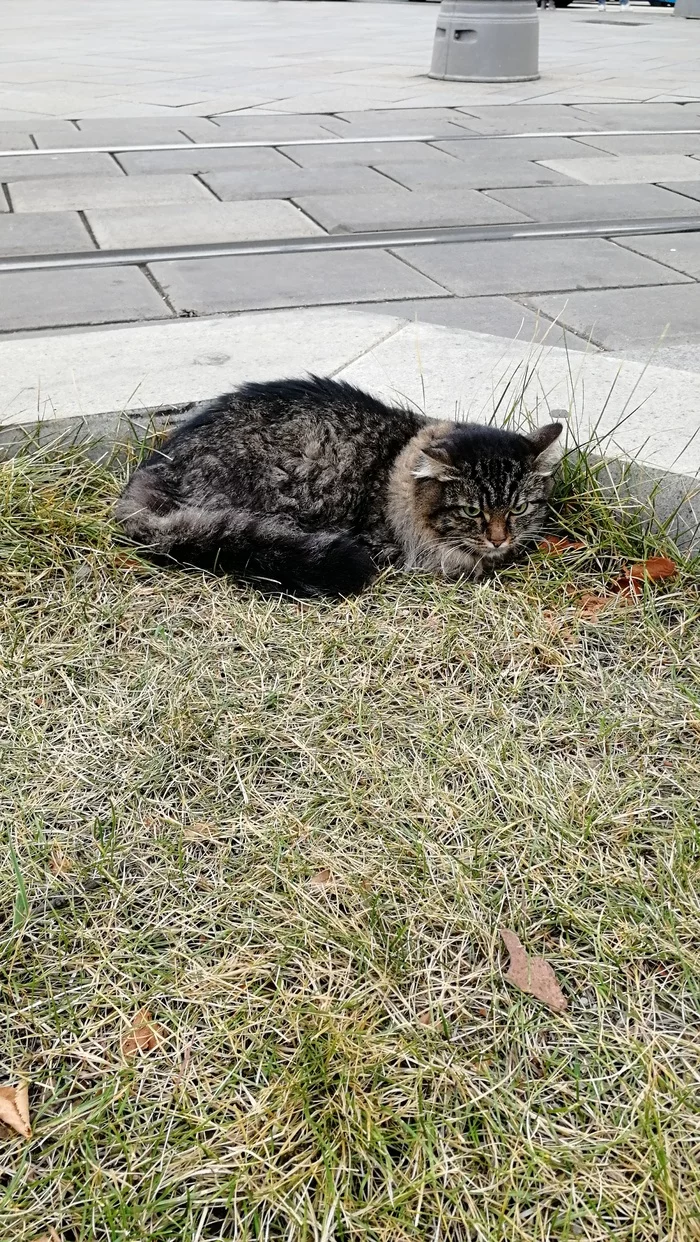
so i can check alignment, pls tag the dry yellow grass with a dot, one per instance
(290, 832)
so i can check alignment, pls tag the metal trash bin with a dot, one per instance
(487, 41)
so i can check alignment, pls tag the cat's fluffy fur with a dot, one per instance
(316, 485)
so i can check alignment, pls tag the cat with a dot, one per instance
(316, 485)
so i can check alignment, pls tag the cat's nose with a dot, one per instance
(497, 543)
(497, 534)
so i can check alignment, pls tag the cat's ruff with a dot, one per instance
(315, 485)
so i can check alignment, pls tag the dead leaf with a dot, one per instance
(144, 1036)
(425, 1019)
(655, 569)
(14, 1109)
(322, 878)
(60, 862)
(532, 974)
(557, 546)
(51, 1236)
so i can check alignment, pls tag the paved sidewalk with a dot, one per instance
(188, 72)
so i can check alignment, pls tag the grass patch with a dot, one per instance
(343, 1059)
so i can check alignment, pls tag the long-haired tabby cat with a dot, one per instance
(316, 485)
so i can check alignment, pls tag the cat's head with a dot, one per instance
(482, 490)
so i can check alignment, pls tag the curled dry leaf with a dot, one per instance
(14, 1109)
(144, 1036)
(532, 974)
(60, 862)
(51, 1236)
(322, 878)
(655, 569)
(425, 1018)
(558, 545)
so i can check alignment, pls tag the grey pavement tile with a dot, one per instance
(15, 139)
(636, 115)
(622, 318)
(50, 232)
(193, 160)
(525, 118)
(276, 128)
(528, 266)
(295, 182)
(628, 169)
(147, 129)
(131, 132)
(197, 223)
(470, 150)
(681, 251)
(398, 209)
(365, 153)
(595, 202)
(488, 174)
(379, 123)
(689, 190)
(254, 282)
(76, 193)
(83, 163)
(637, 144)
(497, 316)
(76, 296)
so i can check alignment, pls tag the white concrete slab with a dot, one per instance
(197, 223)
(84, 374)
(467, 374)
(627, 169)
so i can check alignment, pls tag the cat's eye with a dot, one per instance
(470, 511)
(518, 510)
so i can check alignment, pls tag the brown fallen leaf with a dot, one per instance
(655, 569)
(322, 878)
(60, 862)
(14, 1109)
(51, 1236)
(144, 1036)
(532, 974)
(557, 546)
(425, 1018)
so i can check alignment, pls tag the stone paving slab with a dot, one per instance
(376, 124)
(524, 266)
(399, 209)
(628, 169)
(276, 128)
(481, 175)
(50, 232)
(295, 182)
(689, 189)
(53, 299)
(89, 374)
(596, 202)
(638, 115)
(198, 223)
(526, 118)
(365, 153)
(250, 282)
(620, 318)
(681, 251)
(497, 316)
(131, 132)
(640, 144)
(264, 159)
(26, 167)
(15, 139)
(537, 148)
(76, 193)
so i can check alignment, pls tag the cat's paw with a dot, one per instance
(345, 567)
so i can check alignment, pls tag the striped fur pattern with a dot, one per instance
(314, 485)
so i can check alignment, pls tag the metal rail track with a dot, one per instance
(352, 241)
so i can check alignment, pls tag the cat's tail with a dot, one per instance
(238, 541)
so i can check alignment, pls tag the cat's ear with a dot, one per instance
(434, 463)
(548, 449)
